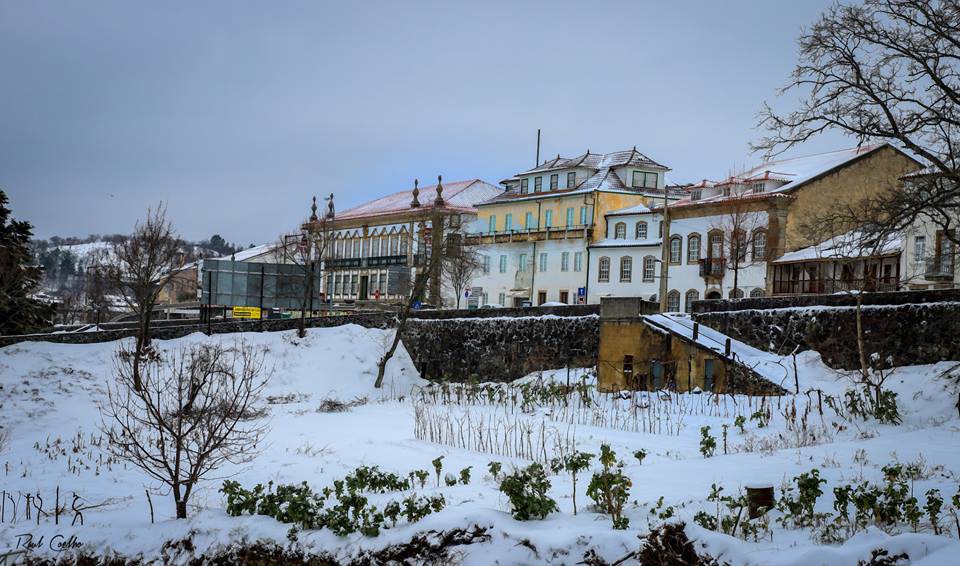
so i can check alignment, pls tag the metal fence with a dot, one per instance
(249, 284)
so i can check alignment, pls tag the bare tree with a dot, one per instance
(739, 225)
(307, 251)
(138, 269)
(884, 71)
(432, 262)
(194, 410)
(460, 262)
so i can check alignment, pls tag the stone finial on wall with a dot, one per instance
(415, 203)
(439, 200)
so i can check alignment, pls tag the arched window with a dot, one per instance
(603, 273)
(736, 293)
(757, 293)
(693, 248)
(676, 249)
(620, 231)
(648, 268)
(641, 230)
(738, 245)
(673, 301)
(715, 249)
(759, 245)
(626, 269)
(692, 295)
(713, 295)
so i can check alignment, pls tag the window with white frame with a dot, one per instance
(571, 179)
(548, 219)
(403, 242)
(502, 299)
(508, 222)
(554, 182)
(759, 245)
(692, 295)
(543, 262)
(565, 261)
(758, 187)
(620, 231)
(503, 264)
(583, 216)
(524, 186)
(919, 248)
(569, 217)
(486, 264)
(603, 273)
(641, 230)
(726, 191)
(492, 223)
(649, 266)
(538, 184)
(696, 195)
(626, 269)
(676, 249)
(673, 301)
(523, 263)
(578, 261)
(644, 179)
(693, 248)
(528, 221)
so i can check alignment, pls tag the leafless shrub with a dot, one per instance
(4, 438)
(195, 409)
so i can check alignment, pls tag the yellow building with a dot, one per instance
(534, 237)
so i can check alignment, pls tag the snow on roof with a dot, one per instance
(248, 253)
(463, 195)
(769, 366)
(850, 245)
(625, 158)
(799, 170)
(636, 209)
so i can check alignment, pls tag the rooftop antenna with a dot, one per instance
(537, 163)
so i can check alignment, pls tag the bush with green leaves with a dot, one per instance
(799, 499)
(739, 422)
(610, 488)
(343, 508)
(640, 455)
(465, 475)
(494, 469)
(527, 490)
(574, 463)
(438, 467)
(879, 404)
(708, 444)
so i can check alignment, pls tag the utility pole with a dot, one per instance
(537, 162)
(665, 255)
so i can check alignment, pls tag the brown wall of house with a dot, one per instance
(871, 175)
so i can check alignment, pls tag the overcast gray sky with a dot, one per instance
(236, 113)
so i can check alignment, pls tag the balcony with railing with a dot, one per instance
(712, 267)
(531, 235)
(939, 268)
(365, 262)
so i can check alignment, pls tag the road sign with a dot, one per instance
(581, 291)
(246, 312)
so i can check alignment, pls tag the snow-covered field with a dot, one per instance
(48, 409)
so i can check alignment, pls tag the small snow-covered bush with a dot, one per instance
(527, 490)
(610, 488)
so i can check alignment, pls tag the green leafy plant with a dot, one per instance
(574, 463)
(527, 490)
(438, 467)
(494, 469)
(708, 444)
(864, 404)
(450, 480)
(798, 501)
(422, 476)
(762, 417)
(640, 455)
(610, 488)
(739, 422)
(465, 475)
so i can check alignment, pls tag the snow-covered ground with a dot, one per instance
(48, 408)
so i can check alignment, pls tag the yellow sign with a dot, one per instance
(246, 312)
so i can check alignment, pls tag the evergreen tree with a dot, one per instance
(19, 312)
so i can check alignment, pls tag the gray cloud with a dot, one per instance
(236, 113)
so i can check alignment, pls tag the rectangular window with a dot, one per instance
(486, 264)
(492, 224)
(528, 221)
(565, 297)
(554, 182)
(503, 264)
(403, 243)
(538, 184)
(541, 297)
(758, 187)
(337, 284)
(583, 216)
(650, 180)
(502, 299)
(508, 222)
(524, 186)
(548, 219)
(571, 179)
(523, 263)
(637, 179)
(565, 261)
(543, 262)
(353, 284)
(570, 217)
(626, 269)
(696, 195)
(919, 248)
(603, 271)
(676, 250)
(726, 191)
(578, 261)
